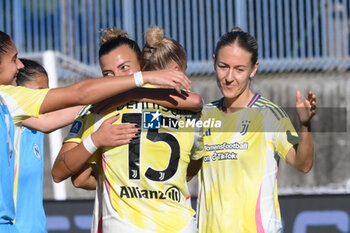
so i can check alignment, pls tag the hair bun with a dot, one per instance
(236, 29)
(154, 36)
(111, 33)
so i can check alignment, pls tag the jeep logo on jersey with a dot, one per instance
(36, 150)
(76, 127)
(151, 120)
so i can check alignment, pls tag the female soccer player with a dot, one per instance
(238, 179)
(29, 165)
(23, 103)
(6, 169)
(119, 56)
(30, 214)
(143, 178)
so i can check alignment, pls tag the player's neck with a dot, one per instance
(235, 104)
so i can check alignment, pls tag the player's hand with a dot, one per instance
(305, 108)
(169, 78)
(110, 134)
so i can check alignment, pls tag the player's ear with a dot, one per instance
(255, 69)
(174, 66)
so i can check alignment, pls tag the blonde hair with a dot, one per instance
(160, 51)
(236, 29)
(111, 33)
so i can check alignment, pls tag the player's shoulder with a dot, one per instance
(19, 90)
(84, 119)
(9, 88)
(261, 102)
(84, 111)
(7, 91)
(214, 105)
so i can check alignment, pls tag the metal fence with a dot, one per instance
(293, 35)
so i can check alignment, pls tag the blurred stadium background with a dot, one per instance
(303, 45)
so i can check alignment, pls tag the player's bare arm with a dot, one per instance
(193, 168)
(85, 178)
(301, 156)
(50, 122)
(166, 97)
(95, 90)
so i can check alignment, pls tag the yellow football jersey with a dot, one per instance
(22, 102)
(238, 180)
(144, 183)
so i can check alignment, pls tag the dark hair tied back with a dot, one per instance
(5, 43)
(243, 39)
(27, 73)
(112, 38)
